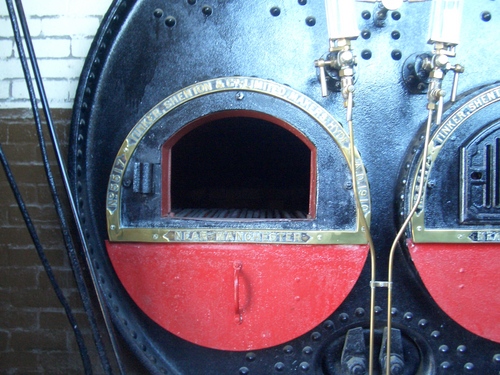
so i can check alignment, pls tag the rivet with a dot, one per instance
(307, 350)
(396, 54)
(445, 365)
(486, 16)
(310, 21)
(191, 2)
(244, 371)
(408, 316)
(344, 318)
(423, 323)
(206, 10)
(394, 311)
(279, 366)
(378, 310)
(302, 2)
(328, 324)
(496, 358)
(366, 34)
(435, 334)
(275, 11)
(288, 349)
(250, 357)
(366, 15)
(158, 13)
(396, 16)
(360, 312)
(395, 35)
(469, 366)
(304, 366)
(366, 54)
(315, 336)
(170, 21)
(444, 348)
(461, 349)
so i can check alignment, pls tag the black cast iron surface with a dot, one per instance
(146, 50)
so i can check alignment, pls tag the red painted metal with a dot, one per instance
(464, 280)
(237, 296)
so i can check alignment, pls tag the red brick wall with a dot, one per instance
(35, 335)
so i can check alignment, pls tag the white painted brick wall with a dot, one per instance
(62, 31)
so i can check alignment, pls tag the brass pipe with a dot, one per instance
(398, 237)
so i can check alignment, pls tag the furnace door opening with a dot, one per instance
(239, 165)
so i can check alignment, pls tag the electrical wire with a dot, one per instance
(77, 270)
(87, 366)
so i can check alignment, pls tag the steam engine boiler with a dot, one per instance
(295, 186)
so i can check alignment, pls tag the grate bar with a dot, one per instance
(237, 213)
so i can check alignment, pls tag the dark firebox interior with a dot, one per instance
(241, 167)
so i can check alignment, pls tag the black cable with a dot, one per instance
(64, 175)
(46, 264)
(77, 271)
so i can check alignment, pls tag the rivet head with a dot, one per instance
(496, 358)
(396, 54)
(280, 366)
(307, 350)
(486, 16)
(461, 349)
(304, 366)
(328, 324)
(275, 11)
(423, 323)
(206, 10)
(445, 365)
(244, 371)
(344, 318)
(435, 334)
(469, 366)
(250, 357)
(315, 336)
(366, 54)
(310, 21)
(408, 316)
(444, 348)
(360, 312)
(288, 349)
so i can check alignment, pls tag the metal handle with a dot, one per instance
(322, 76)
(237, 266)
(457, 70)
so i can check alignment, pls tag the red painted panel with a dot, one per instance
(464, 280)
(237, 296)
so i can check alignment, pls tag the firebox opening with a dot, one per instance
(239, 165)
